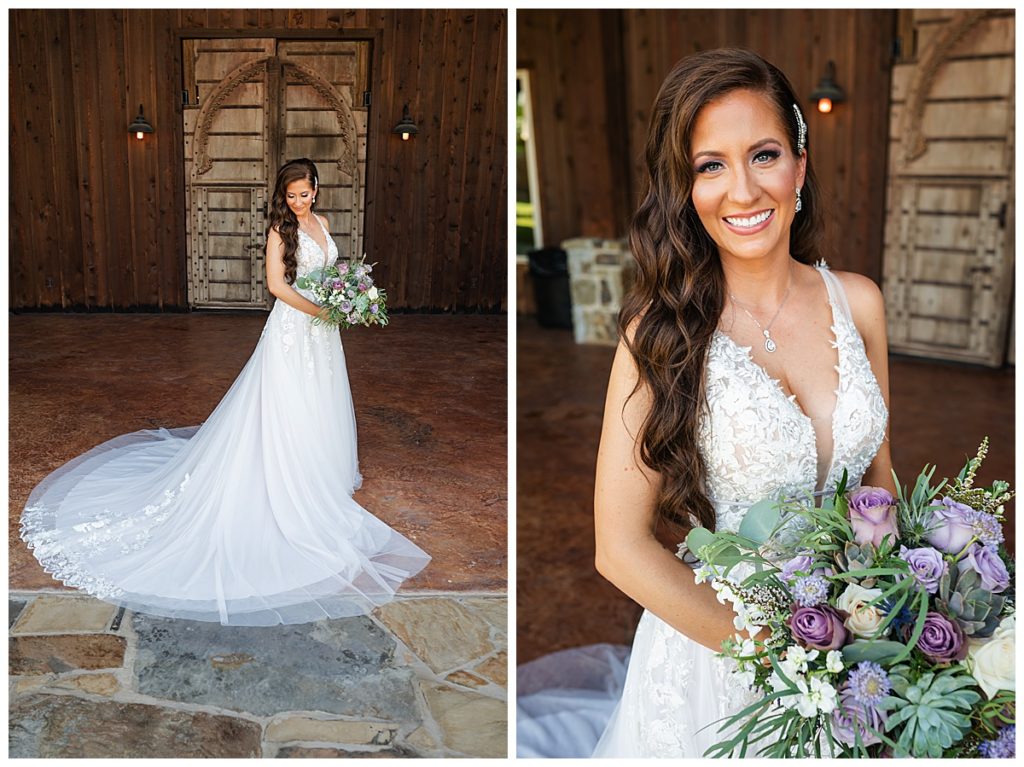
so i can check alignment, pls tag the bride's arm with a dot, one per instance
(868, 309)
(628, 553)
(276, 282)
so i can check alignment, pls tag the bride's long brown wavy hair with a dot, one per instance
(281, 216)
(677, 298)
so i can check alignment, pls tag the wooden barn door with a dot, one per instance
(949, 246)
(252, 104)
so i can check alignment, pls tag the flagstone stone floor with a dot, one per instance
(422, 676)
(940, 412)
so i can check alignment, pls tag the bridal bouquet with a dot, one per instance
(884, 627)
(347, 293)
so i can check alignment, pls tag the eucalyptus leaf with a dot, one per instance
(876, 650)
(760, 521)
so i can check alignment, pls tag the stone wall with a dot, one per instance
(600, 272)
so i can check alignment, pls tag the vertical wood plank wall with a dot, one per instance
(97, 218)
(597, 73)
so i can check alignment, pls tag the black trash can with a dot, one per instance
(549, 270)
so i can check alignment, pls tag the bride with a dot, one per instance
(743, 372)
(247, 519)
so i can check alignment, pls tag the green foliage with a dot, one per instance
(914, 509)
(934, 710)
(989, 500)
(878, 650)
(761, 521)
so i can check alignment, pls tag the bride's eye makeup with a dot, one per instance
(767, 155)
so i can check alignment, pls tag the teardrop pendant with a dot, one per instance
(769, 344)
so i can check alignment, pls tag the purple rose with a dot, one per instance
(926, 566)
(343, 268)
(374, 309)
(989, 565)
(872, 515)
(818, 628)
(363, 287)
(942, 640)
(345, 306)
(798, 564)
(338, 284)
(851, 714)
(951, 529)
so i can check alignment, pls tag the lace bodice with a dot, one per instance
(757, 442)
(309, 253)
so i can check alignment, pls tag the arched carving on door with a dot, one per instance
(343, 113)
(914, 143)
(204, 122)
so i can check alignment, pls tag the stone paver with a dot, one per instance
(331, 731)
(94, 684)
(66, 615)
(46, 654)
(342, 667)
(466, 679)
(66, 726)
(495, 669)
(443, 633)
(14, 608)
(471, 724)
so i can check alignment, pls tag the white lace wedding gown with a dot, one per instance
(247, 519)
(757, 443)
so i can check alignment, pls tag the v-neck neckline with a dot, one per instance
(322, 251)
(776, 384)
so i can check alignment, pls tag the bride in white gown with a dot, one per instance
(744, 373)
(247, 519)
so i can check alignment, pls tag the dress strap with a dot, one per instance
(836, 292)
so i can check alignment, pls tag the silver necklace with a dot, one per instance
(769, 344)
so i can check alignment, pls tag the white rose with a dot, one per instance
(372, 293)
(864, 620)
(991, 661)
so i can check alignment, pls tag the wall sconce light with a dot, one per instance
(828, 93)
(406, 126)
(140, 125)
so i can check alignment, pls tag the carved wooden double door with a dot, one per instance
(252, 104)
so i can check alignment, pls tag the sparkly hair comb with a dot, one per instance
(801, 127)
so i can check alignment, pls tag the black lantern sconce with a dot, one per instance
(406, 127)
(140, 125)
(828, 93)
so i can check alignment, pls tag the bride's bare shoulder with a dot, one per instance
(867, 304)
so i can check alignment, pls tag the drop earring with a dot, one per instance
(799, 202)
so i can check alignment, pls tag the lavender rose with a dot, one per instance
(818, 628)
(989, 565)
(798, 564)
(951, 529)
(872, 515)
(343, 268)
(942, 639)
(926, 566)
(346, 306)
(852, 715)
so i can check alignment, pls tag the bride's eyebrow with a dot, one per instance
(754, 146)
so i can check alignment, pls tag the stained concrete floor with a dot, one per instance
(429, 391)
(422, 676)
(940, 412)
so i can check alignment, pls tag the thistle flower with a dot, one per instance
(810, 590)
(869, 684)
(1002, 747)
(986, 527)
